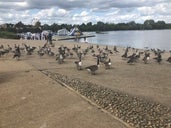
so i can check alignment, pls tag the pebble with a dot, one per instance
(138, 112)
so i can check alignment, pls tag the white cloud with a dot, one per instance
(79, 11)
(146, 10)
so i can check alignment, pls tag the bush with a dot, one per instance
(8, 35)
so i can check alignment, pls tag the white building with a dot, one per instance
(63, 32)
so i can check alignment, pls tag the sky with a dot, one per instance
(83, 11)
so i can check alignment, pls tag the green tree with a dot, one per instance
(19, 27)
(38, 25)
(160, 25)
(132, 25)
(149, 24)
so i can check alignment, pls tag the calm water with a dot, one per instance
(138, 39)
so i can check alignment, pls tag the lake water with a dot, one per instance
(139, 39)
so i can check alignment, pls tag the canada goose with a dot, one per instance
(97, 46)
(169, 59)
(106, 48)
(9, 48)
(29, 49)
(2, 46)
(69, 53)
(17, 53)
(2, 53)
(146, 58)
(108, 64)
(40, 53)
(79, 64)
(49, 52)
(158, 58)
(115, 49)
(132, 58)
(125, 55)
(60, 58)
(93, 68)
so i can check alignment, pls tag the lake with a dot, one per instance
(139, 39)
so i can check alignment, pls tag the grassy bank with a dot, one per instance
(8, 35)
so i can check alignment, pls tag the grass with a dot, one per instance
(8, 35)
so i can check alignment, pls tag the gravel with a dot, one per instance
(135, 111)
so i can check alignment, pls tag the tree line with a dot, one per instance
(99, 26)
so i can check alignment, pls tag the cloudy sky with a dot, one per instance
(83, 11)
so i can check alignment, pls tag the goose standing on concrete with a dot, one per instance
(17, 53)
(93, 68)
(79, 64)
(132, 59)
(125, 55)
(108, 64)
(115, 49)
(169, 59)
(158, 58)
(60, 57)
(146, 58)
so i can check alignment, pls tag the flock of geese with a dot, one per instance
(102, 55)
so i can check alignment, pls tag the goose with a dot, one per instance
(40, 52)
(1, 46)
(146, 58)
(69, 53)
(49, 52)
(3, 51)
(132, 58)
(125, 55)
(108, 64)
(60, 58)
(106, 48)
(158, 58)
(29, 49)
(93, 68)
(17, 53)
(115, 49)
(97, 46)
(78, 64)
(169, 59)
(9, 47)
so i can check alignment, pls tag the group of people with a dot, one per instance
(37, 36)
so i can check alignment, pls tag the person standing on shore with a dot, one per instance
(50, 38)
